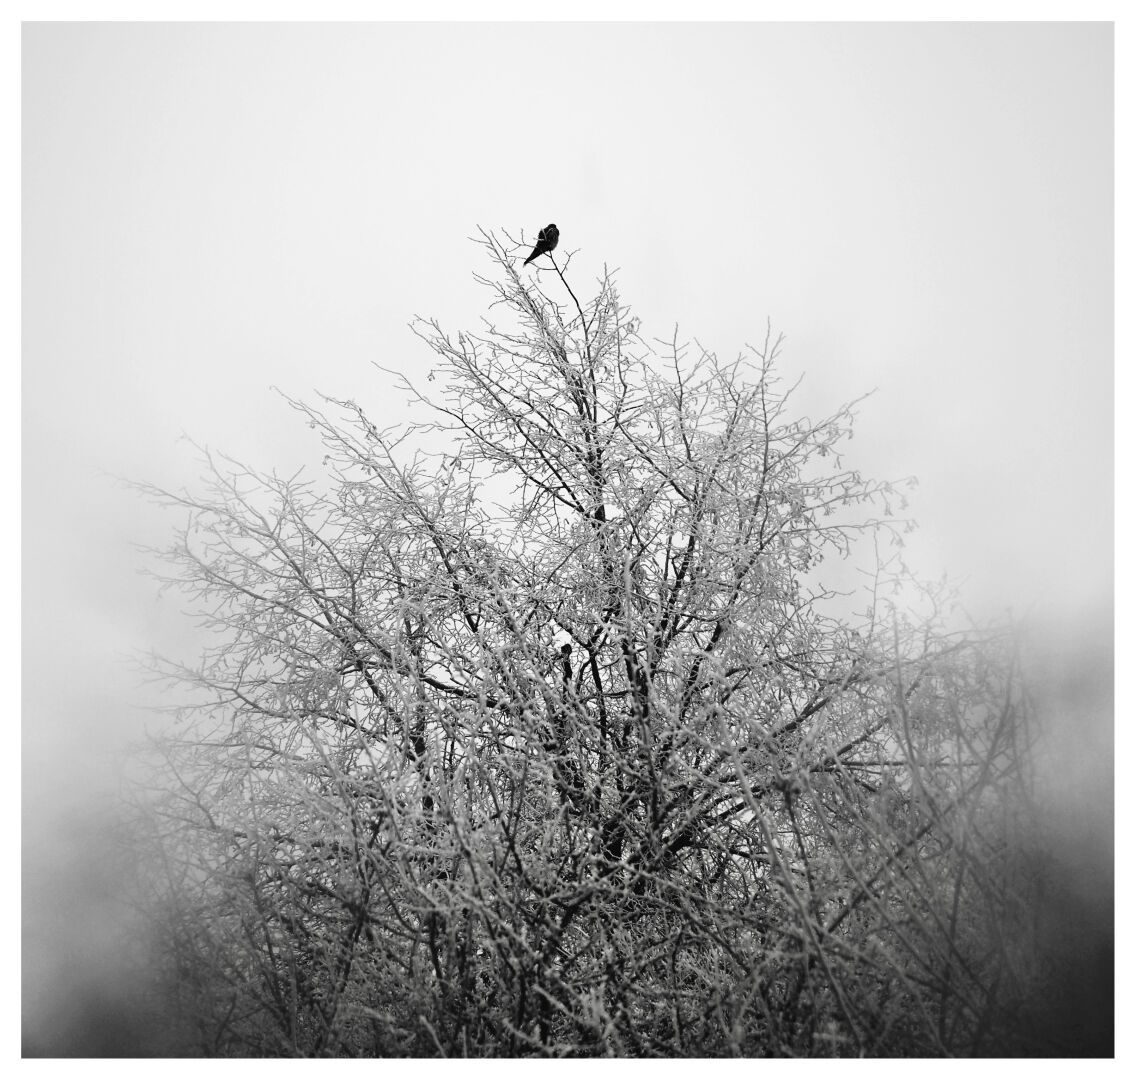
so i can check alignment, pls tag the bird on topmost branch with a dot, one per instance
(546, 241)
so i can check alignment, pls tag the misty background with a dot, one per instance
(214, 210)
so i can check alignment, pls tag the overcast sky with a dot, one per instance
(212, 210)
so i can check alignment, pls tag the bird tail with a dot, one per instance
(529, 259)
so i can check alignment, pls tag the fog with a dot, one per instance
(211, 211)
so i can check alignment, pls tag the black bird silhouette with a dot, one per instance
(546, 240)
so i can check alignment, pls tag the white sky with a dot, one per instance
(211, 210)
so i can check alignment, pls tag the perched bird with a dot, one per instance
(545, 242)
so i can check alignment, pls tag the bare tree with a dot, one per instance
(596, 770)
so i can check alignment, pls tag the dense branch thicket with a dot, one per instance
(594, 771)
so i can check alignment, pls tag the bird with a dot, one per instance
(546, 241)
(566, 661)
